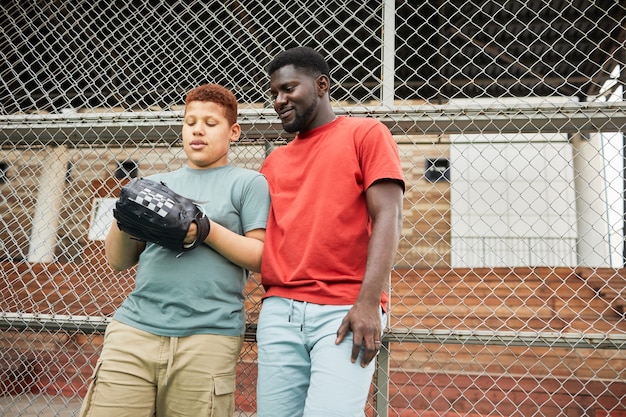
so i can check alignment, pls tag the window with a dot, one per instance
(437, 169)
(126, 169)
(4, 167)
(101, 218)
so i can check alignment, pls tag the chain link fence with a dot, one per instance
(508, 292)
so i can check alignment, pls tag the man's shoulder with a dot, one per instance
(360, 121)
(362, 126)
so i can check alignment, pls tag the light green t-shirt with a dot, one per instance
(198, 291)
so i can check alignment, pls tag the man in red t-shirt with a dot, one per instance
(332, 235)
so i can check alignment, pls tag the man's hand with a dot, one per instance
(364, 322)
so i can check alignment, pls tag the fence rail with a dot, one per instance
(91, 324)
(404, 120)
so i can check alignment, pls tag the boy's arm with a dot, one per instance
(121, 250)
(244, 251)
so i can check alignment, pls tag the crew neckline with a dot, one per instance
(319, 129)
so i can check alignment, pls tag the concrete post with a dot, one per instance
(593, 249)
(43, 238)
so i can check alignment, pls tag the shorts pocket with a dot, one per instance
(225, 384)
(223, 395)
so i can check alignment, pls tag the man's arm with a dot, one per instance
(384, 202)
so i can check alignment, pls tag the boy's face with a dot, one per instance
(207, 135)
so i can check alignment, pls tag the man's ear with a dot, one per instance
(323, 84)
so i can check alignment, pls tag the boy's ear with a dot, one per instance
(235, 132)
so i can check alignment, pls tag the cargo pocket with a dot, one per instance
(223, 403)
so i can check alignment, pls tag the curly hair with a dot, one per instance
(217, 94)
(302, 57)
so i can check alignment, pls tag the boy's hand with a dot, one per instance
(150, 211)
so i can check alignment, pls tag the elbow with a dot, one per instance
(117, 268)
(255, 266)
(121, 259)
(256, 239)
(116, 264)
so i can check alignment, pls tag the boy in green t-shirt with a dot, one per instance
(172, 346)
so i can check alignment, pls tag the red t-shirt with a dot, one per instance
(318, 228)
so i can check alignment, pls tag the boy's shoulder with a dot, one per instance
(223, 170)
(242, 172)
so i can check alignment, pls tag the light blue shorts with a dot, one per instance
(301, 370)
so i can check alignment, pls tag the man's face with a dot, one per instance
(295, 96)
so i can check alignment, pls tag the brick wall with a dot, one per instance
(463, 379)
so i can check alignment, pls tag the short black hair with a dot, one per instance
(302, 57)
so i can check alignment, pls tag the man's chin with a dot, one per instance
(290, 128)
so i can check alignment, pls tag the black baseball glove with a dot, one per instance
(150, 211)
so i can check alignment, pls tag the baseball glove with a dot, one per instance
(150, 211)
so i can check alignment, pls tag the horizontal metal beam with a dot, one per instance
(81, 324)
(573, 340)
(117, 129)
